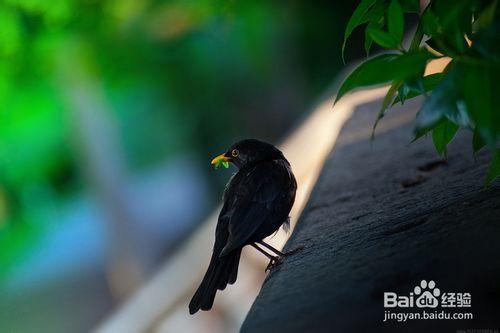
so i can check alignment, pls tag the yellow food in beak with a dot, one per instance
(219, 159)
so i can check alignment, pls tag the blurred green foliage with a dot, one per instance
(466, 31)
(181, 77)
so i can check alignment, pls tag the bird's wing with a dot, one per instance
(251, 200)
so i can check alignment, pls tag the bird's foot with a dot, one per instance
(292, 252)
(275, 261)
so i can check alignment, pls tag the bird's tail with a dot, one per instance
(221, 271)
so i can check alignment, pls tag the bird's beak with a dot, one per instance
(220, 158)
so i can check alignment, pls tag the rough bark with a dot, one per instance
(383, 216)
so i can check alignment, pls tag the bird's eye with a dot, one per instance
(235, 152)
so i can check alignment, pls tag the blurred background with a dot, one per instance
(110, 112)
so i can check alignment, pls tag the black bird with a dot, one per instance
(257, 201)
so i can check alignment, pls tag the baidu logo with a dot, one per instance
(422, 303)
(426, 295)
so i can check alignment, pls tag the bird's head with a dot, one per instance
(247, 152)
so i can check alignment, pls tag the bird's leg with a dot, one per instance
(269, 247)
(274, 260)
(263, 252)
(278, 252)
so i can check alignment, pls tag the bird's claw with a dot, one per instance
(276, 261)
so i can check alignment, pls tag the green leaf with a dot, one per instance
(395, 21)
(420, 133)
(480, 88)
(442, 134)
(444, 102)
(225, 164)
(383, 38)
(430, 23)
(415, 84)
(357, 18)
(429, 82)
(487, 15)
(389, 97)
(366, 74)
(448, 22)
(494, 170)
(403, 92)
(375, 18)
(384, 68)
(477, 141)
